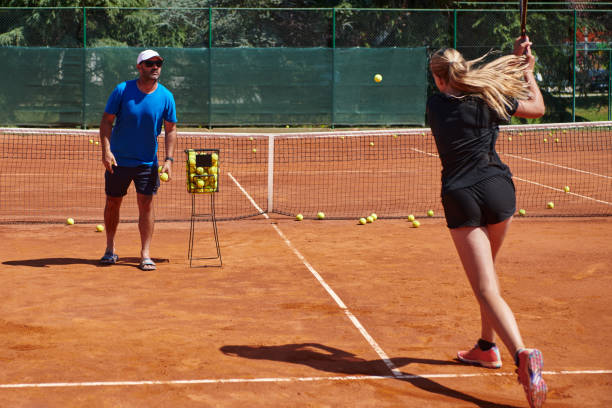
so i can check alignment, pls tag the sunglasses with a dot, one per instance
(149, 64)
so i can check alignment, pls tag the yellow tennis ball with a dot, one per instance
(550, 205)
(251, 138)
(510, 138)
(371, 143)
(299, 217)
(70, 221)
(411, 217)
(214, 157)
(200, 170)
(254, 150)
(377, 78)
(566, 189)
(362, 221)
(320, 215)
(374, 216)
(97, 142)
(99, 227)
(556, 140)
(200, 183)
(212, 170)
(159, 169)
(163, 177)
(545, 140)
(416, 224)
(192, 161)
(522, 212)
(91, 141)
(369, 218)
(430, 213)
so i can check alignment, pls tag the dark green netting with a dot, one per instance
(231, 86)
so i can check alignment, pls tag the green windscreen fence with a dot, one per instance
(228, 86)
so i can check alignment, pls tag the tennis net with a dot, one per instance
(48, 175)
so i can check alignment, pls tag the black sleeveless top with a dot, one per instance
(466, 130)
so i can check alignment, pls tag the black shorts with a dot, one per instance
(488, 202)
(146, 180)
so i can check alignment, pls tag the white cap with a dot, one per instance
(147, 54)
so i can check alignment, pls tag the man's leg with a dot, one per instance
(111, 221)
(146, 222)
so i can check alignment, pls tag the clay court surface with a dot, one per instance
(302, 314)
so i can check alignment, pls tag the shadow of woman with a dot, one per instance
(329, 359)
(47, 262)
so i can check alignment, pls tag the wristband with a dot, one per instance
(169, 158)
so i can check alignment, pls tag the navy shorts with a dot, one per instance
(488, 202)
(146, 180)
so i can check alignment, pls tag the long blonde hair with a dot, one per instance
(496, 82)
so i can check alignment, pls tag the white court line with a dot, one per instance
(329, 290)
(556, 165)
(282, 379)
(544, 185)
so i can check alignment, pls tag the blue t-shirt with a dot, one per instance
(139, 119)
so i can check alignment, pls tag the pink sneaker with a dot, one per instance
(530, 376)
(476, 356)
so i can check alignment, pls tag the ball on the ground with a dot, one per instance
(550, 205)
(362, 220)
(430, 213)
(299, 217)
(556, 140)
(99, 227)
(91, 141)
(97, 142)
(251, 138)
(522, 212)
(510, 138)
(545, 140)
(320, 215)
(377, 78)
(163, 177)
(254, 150)
(411, 217)
(374, 216)
(371, 143)
(566, 189)
(70, 221)
(416, 224)
(369, 219)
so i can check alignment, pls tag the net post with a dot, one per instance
(270, 174)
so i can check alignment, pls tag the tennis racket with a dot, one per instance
(523, 10)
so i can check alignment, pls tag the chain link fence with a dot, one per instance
(286, 66)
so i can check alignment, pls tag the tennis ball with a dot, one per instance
(320, 215)
(395, 136)
(510, 139)
(299, 217)
(566, 189)
(200, 170)
(369, 218)
(374, 216)
(212, 170)
(97, 142)
(342, 137)
(556, 140)
(200, 183)
(70, 221)
(159, 169)
(163, 177)
(192, 161)
(411, 217)
(522, 212)
(99, 227)
(430, 213)
(371, 143)
(362, 221)
(550, 205)
(91, 141)
(377, 78)
(254, 150)
(545, 140)
(251, 138)
(416, 224)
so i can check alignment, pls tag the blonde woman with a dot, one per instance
(478, 194)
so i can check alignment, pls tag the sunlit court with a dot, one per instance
(300, 313)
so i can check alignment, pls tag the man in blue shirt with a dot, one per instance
(129, 149)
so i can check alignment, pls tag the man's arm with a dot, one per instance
(170, 130)
(106, 127)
